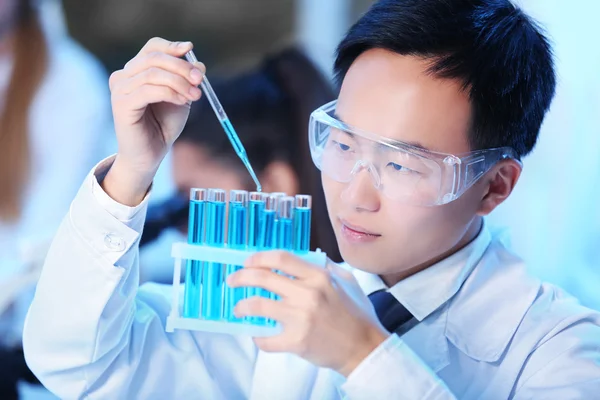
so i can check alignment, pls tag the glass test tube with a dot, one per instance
(256, 207)
(285, 223)
(302, 216)
(236, 239)
(267, 240)
(284, 228)
(214, 273)
(193, 273)
(268, 226)
(271, 230)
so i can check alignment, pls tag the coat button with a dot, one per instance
(114, 242)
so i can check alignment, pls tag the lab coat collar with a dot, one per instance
(428, 290)
(466, 307)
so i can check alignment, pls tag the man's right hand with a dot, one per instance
(151, 99)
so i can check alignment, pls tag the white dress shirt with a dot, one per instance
(485, 329)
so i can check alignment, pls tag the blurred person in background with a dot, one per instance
(55, 122)
(270, 109)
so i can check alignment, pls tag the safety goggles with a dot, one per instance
(401, 171)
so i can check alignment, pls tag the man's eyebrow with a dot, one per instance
(413, 144)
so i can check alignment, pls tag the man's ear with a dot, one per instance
(500, 182)
(279, 176)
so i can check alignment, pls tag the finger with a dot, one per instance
(261, 307)
(115, 78)
(159, 77)
(266, 279)
(273, 344)
(283, 261)
(192, 72)
(161, 45)
(149, 94)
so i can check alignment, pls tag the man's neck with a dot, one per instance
(469, 236)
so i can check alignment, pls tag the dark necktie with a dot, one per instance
(390, 312)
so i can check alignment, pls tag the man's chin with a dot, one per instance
(358, 259)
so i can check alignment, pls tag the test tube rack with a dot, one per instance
(254, 222)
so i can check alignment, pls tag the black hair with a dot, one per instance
(269, 108)
(498, 53)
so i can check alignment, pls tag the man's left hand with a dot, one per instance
(325, 316)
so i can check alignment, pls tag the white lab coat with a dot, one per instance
(486, 330)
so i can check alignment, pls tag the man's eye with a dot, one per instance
(342, 146)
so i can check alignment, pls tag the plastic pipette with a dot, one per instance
(225, 123)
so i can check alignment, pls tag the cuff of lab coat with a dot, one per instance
(393, 371)
(110, 228)
(131, 216)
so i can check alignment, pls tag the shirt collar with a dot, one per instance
(440, 282)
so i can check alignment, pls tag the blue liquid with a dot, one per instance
(236, 239)
(239, 149)
(268, 230)
(285, 234)
(193, 274)
(268, 241)
(214, 273)
(255, 212)
(285, 241)
(302, 229)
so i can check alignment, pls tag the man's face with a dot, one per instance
(393, 96)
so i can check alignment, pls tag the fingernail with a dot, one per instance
(183, 44)
(194, 91)
(196, 75)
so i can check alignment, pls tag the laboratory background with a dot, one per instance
(54, 89)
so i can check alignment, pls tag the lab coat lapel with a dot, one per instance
(428, 340)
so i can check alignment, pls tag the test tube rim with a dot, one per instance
(303, 201)
(233, 196)
(198, 194)
(262, 196)
(285, 207)
(216, 195)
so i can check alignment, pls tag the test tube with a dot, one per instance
(302, 215)
(236, 239)
(270, 237)
(284, 227)
(285, 223)
(193, 273)
(256, 207)
(268, 223)
(213, 277)
(266, 208)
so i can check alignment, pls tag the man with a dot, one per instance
(438, 103)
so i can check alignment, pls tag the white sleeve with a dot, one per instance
(91, 334)
(393, 358)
